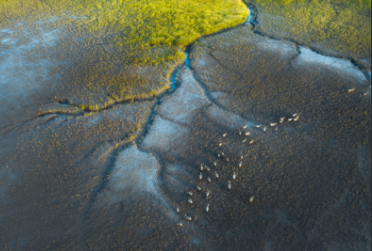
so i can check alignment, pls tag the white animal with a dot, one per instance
(251, 199)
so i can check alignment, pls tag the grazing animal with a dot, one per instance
(251, 199)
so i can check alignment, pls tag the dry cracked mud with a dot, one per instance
(269, 135)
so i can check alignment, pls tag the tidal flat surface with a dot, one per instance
(254, 142)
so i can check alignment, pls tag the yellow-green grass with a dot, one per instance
(139, 23)
(343, 26)
(115, 50)
(358, 4)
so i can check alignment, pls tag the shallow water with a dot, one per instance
(187, 60)
(249, 16)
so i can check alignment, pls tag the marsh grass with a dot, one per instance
(357, 4)
(120, 49)
(136, 23)
(341, 25)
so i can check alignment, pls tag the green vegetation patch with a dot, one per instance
(110, 51)
(357, 4)
(342, 26)
(133, 22)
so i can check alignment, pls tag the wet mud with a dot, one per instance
(295, 182)
(260, 144)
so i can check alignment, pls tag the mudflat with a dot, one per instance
(251, 140)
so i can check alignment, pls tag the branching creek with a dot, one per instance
(192, 151)
(251, 20)
(141, 134)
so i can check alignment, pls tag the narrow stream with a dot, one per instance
(249, 16)
(187, 59)
(174, 78)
